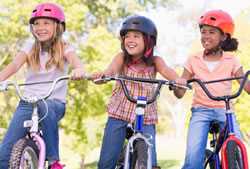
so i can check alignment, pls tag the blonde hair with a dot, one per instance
(55, 51)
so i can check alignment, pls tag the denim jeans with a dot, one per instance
(113, 140)
(49, 126)
(198, 134)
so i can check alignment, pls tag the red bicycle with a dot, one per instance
(228, 151)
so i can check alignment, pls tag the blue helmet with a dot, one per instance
(141, 24)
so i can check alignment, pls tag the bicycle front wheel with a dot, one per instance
(120, 162)
(140, 155)
(209, 161)
(233, 156)
(24, 155)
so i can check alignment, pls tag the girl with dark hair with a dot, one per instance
(214, 62)
(138, 38)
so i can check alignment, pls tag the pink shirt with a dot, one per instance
(227, 67)
(120, 107)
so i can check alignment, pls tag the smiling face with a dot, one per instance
(211, 37)
(134, 43)
(43, 29)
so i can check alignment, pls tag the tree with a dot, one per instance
(91, 26)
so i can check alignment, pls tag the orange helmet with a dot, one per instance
(219, 19)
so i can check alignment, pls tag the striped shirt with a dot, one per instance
(121, 108)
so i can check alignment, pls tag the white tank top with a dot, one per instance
(46, 75)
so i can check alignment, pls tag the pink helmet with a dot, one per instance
(48, 10)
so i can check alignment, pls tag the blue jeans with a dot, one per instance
(198, 134)
(113, 140)
(49, 127)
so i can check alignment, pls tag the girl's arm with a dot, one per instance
(13, 66)
(164, 70)
(78, 71)
(179, 92)
(239, 73)
(170, 74)
(116, 65)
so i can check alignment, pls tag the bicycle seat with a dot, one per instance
(214, 127)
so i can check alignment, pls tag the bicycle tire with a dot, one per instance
(211, 163)
(24, 155)
(120, 161)
(233, 156)
(140, 155)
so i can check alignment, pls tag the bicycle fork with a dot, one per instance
(232, 137)
(140, 106)
(130, 149)
(34, 133)
(41, 145)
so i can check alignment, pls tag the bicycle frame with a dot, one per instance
(140, 107)
(141, 103)
(228, 132)
(232, 137)
(34, 131)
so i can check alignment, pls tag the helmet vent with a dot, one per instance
(34, 11)
(136, 23)
(213, 18)
(49, 10)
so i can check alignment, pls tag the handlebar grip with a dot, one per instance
(103, 79)
(173, 84)
(189, 86)
(4, 86)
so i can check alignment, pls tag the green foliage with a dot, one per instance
(86, 101)
(91, 27)
(242, 105)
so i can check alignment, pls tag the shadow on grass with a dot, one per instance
(164, 164)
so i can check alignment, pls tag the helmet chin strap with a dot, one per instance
(214, 51)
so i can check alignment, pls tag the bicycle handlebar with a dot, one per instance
(225, 98)
(5, 84)
(159, 83)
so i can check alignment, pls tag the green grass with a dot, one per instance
(170, 153)
(165, 164)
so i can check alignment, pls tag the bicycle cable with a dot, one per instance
(47, 110)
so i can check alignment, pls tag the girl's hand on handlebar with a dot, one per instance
(180, 88)
(97, 77)
(77, 74)
(180, 83)
(100, 77)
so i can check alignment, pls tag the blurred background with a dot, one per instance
(92, 26)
